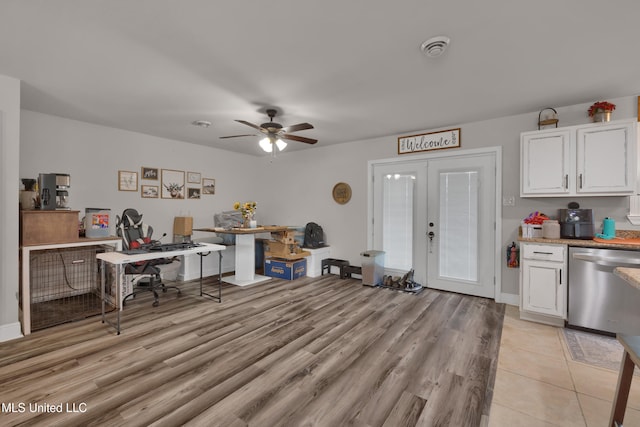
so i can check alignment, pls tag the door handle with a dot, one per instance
(610, 261)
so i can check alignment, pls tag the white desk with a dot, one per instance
(120, 259)
(245, 268)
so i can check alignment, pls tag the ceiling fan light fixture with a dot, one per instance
(265, 144)
(281, 144)
(435, 46)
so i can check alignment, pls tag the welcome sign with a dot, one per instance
(429, 141)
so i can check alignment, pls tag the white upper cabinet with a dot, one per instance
(546, 165)
(598, 159)
(606, 161)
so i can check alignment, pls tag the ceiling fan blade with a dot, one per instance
(299, 126)
(249, 124)
(298, 138)
(237, 136)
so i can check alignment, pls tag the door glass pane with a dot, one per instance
(397, 214)
(458, 242)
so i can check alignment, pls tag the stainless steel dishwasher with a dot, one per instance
(598, 299)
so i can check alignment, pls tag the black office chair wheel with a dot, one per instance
(155, 303)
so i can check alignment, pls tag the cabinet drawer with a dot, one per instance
(544, 252)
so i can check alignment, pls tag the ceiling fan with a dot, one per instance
(275, 133)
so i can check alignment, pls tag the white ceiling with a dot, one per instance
(353, 68)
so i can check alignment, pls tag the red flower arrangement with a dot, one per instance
(601, 105)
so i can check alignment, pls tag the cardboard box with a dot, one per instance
(287, 236)
(288, 251)
(41, 227)
(288, 270)
(183, 225)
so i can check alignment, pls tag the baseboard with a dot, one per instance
(510, 299)
(541, 318)
(10, 331)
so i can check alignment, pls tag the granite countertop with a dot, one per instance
(617, 244)
(629, 275)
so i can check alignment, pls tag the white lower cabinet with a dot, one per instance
(543, 283)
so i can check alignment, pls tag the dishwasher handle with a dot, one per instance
(609, 261)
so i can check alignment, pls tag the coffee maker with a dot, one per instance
(63, 183)
(47, 191)
(53, 190)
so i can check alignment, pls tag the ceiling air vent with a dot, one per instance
(435, 46)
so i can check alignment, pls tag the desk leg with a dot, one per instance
(120, 284)
(219, 297)
(102, 288)
(245, 262)
(245, 257)
(622, 391)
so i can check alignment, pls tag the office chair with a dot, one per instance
(136, 234)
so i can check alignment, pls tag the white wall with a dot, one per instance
(9, 159)
(302, 182)
(93, 155)
(292, 189)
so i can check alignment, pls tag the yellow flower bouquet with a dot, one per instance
(247, 209)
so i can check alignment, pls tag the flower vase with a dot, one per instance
(601, 115)
(249, 222)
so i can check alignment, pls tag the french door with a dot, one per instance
(437, 216)
(461, 225)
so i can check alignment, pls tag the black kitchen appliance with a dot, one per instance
(576, 223)
(47, 189)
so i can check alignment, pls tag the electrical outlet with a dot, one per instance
(509, 201)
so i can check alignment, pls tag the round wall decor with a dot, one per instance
(342, 193)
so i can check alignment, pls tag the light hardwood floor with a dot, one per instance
(323, 352)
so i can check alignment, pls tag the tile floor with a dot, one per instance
(538, 384)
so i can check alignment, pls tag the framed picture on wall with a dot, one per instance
(193, 177)
(193, 193)
(172, 184)
(208, 186)
(149, 191)
(127, 181)
(149, 173)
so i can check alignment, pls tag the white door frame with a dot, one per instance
(496, 151)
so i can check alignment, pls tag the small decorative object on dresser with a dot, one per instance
(601, 111)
